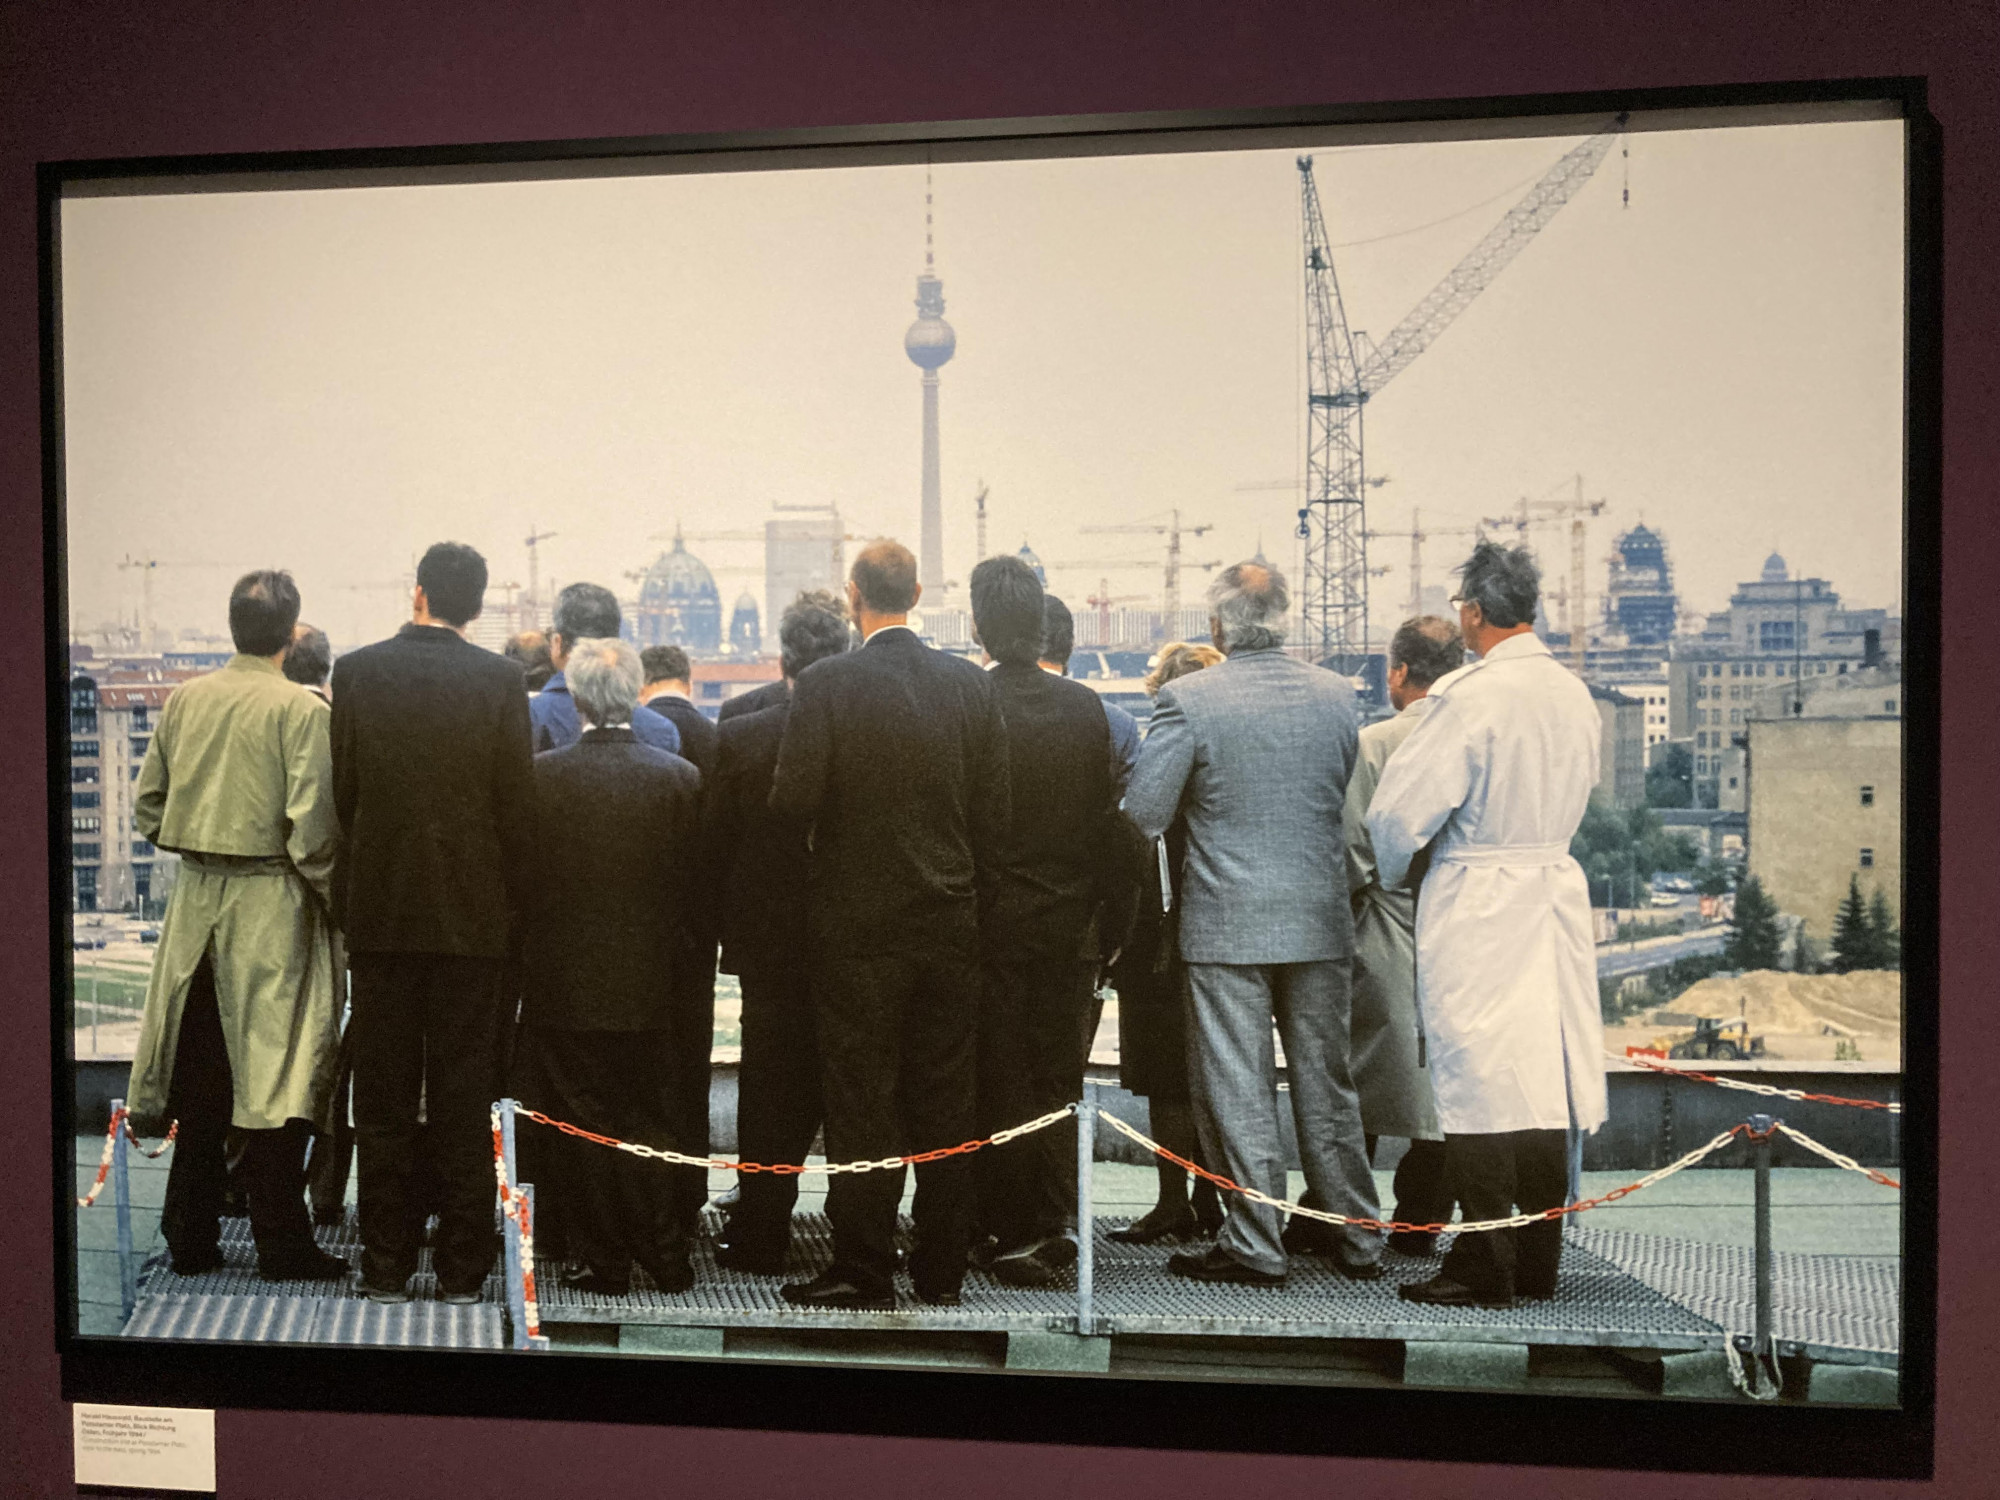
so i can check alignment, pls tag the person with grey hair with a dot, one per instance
(1258, 750)
(756, 867)
(585, 611)
(1492, 783)
(609, 950)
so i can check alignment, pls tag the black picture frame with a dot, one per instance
(1572, 1431)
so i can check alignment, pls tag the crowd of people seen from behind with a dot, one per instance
(519, 874)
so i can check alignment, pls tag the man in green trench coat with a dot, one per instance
(241, 1026)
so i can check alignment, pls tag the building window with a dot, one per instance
(1868, 796)
(1760, 669)
(139, 717)
(138, 747)
(1888, 705)
(1736, 716)
(1732, 783)
(82, 749)
(83, 775)
(85, 825)
(141, 849)
(1734, 669)
(135, 773)
(84, 851)
(83, 799)
(1867, 859)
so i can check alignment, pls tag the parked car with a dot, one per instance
(1665, 898)
(149, 934)
(83, 941)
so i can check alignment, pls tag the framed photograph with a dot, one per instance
(1238, 780)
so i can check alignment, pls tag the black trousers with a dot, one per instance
(1497, 1175)
(427, 1037)
(1422, 1184)
(896, 1040)
(273, 1167)
(692, 1045)
(778, 1107)
(1034, 1013)
(617, 1208)
(333, 1153)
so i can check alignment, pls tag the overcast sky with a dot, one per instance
(329, 380)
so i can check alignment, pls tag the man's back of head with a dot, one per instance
(453, 578)
(584, 611)
(666, 664)
(309, 657)
(1058, 634)
(813, 627)
(1247, 605)
(603, 676)
(1426, 647)
(263, 608)
(1498, 590)
(531, 649)
(1007, 602)
(884, 578)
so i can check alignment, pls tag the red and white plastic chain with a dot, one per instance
(122, 1119)
(1847, 1162)
(1482, 1226)
(1769, 1091)
(887, 1163)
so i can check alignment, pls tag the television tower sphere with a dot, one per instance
(930, 341)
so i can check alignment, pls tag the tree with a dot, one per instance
(1620, 851)
(1854, 939)
(1670, 778)
(1888, 936)
(1756, 942)
(1711, 878)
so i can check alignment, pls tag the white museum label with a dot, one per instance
(145, 1447)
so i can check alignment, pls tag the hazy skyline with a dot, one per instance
(328, 380)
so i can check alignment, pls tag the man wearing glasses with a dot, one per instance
(1494, 781)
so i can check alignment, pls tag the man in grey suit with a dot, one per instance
(1259, 750)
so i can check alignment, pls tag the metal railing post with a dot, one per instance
(1086, 1237)
(1575, 1165)
(510, 1232)
(1762, 1127)
(524, 1340)
(121, 1198)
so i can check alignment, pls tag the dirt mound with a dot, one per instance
(1868, 1002)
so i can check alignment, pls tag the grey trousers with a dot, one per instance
(1233, 1071)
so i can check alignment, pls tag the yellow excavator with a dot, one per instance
(1714, 1039)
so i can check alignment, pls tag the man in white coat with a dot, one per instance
(1493, 782)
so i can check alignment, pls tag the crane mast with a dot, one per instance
(1342, 375)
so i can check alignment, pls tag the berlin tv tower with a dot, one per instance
(929, 343)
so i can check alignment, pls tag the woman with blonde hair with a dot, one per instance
(1152, 1007)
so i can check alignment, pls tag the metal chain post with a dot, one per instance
(121, 1198)
(1086, 1237)
(510, 1231)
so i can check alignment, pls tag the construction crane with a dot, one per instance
(534, 606)
(1417, 536)
(979, 523)
(1577, 511)
(1345, 370)
(146, 567)
(1173, 531)
(1101, 601)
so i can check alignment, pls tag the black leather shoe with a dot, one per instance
(1357, 1270)
(1023, 1267)
(197, 1262)
(1308, 1237)
(387, 1296)
(1217, 1264)
(672, 1274)
(830, 1291)
(301, 1263)
(1206, 1201)
(940, 1296)
(1442, 1291)
(983, 1253)
(752, 1260)
(1413, 1243)
(589, 1283)
(1160, 1224)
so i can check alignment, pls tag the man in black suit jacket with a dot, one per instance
(1065, 859)
(896, 755)
(610, 941)
(770, 695)
(433, 788)
(669, 692)
(757, 871)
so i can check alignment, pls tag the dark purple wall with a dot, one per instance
(118, 77)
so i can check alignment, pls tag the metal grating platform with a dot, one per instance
(1837, 1309)
(1618, 1290)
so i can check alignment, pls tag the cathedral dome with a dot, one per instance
(1775, 570)
(679, 603)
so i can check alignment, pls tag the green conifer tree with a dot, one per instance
(1854, 939)
(1888, 937)
(1756, 942)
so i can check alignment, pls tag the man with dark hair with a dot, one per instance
(896, 755)
(1258, 750)
(242, 1014)
(586, 611)
(1493, 782)
(434, 786)
(669, 692)
(531, 649)
(1388, 1055)
(608, 947)
(1060, 861)
(308, 659)
(756, 863)
(1058, 643)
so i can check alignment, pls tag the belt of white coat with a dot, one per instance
(1508, 856)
